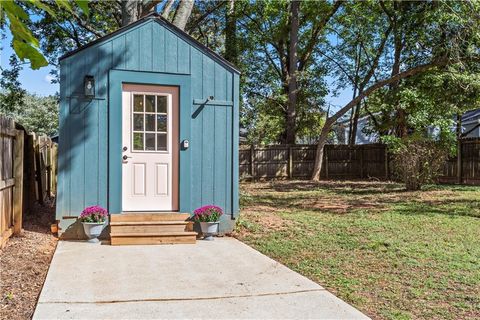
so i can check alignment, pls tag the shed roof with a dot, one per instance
(159, 19)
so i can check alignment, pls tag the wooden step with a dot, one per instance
(149, 216)
(148, 226)
(151, 228)
(153, 238)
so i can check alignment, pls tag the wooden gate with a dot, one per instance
(11, 179)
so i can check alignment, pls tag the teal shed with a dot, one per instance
(148, 124)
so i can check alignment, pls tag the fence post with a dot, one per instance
(252, 160)
(18, 189)
(325, 150)
(386, 162)
(459, 162)
(361, 149)
(54, 168)
(290, 162)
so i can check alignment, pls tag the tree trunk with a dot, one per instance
(183, 13)
(322, 141)
(167, 8)
(356, 111)
(292, 76)
(401, 129)
(231, 51)
(356, 116)
(130, 11)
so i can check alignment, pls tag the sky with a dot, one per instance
(34, 81)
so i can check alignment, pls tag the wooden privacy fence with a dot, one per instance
(464, 169)
(11, 179)
(27, 174)
(297, 161)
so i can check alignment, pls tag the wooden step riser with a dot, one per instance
(140, 217)
(118, 241)
(139, 229)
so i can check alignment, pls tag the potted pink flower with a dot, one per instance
(208, 217)
(93, 219)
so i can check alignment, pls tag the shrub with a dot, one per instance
(418, 161)
(95, 214)
(207, 214)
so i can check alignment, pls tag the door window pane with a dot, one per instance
(161, 104)
(149, 103)
(138, 122)
(162, 122)
(161, 141)
(149, 122)
(137, 141)
(149, 141)
(138, 103)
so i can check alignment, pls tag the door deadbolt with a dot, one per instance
(124, 148)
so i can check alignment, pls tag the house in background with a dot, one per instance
(342, 132)
(471, 124)
(470, 129)
(149, 128)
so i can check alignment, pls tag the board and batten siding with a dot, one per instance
(83, 140)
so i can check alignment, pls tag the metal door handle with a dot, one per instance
(125, 157)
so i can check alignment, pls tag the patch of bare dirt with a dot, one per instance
(24, 263)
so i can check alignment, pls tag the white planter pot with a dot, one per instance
(209, 229)
(93, 230)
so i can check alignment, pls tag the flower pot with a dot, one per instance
(209, 229)
(93, 230)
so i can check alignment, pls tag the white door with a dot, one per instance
(147, 154)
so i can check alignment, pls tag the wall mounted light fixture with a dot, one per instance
(89, 86)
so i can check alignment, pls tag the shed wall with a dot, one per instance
(83, 140)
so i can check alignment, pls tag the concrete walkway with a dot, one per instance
(216, 280)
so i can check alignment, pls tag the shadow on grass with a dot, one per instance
(348, 197)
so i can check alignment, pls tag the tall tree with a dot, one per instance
(292, 72)
(287, 89)
(231, 45)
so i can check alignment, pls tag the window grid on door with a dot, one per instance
(149, 122)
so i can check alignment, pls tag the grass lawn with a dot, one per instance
(390, 253)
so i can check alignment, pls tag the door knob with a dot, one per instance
(125, 157)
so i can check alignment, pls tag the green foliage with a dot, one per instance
(264, 34)
(37, 114)
(24, 42)
(11, 91)
(429, 101)
(417, 160)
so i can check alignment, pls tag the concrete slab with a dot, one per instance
(222, 279)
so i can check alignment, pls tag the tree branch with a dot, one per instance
(147, 7)
(200, 19)
(401, 75)
(303, 60)
(269, 57)
(339, 66)
(268, 98)
(86, 25)
(376, 60)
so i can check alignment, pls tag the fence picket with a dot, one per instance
(27, 174)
